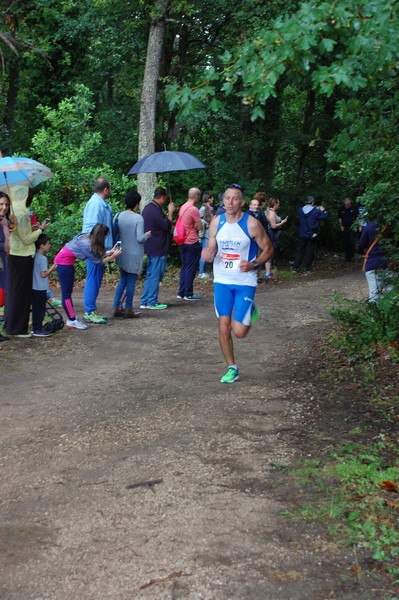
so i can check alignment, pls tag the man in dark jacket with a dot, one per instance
(156, 248)
(347, 215)
(309, 220)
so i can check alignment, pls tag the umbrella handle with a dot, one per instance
(7, 184)
(9, 195)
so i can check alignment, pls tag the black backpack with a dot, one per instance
(56, 321)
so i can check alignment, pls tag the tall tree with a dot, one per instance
(146, 182)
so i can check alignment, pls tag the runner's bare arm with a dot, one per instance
(259, 235)
(209, 252)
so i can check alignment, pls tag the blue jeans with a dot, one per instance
(94, 277)
(202, 263)
(190, 256)
(127, 281)
(156, 267)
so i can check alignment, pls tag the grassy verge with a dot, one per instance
(352, 486)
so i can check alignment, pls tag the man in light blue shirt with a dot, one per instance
(97, 210)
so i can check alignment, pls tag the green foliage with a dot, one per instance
(367, 150)
(345, 51)
(351, 501)
(369, 328)
(67, 145)
(347, 44)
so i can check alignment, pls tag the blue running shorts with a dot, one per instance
(234, 298)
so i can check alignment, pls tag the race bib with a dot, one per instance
(231, 261)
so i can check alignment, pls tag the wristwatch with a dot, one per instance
(255, 265)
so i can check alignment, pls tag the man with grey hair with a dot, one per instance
(97, 210)
(190, 251)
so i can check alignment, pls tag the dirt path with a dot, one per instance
(84, 414)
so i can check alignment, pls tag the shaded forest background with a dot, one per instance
(289, 98)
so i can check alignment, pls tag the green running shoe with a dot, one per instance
(231, 376)
(94, 317)
(157, 306)
(255, 315)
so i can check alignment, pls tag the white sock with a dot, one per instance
(233, 367)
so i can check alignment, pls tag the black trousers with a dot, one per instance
(305, 253)
(39, 299)
(349, 240)
(19, 293)
(190, 255)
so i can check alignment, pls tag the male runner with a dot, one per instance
(235, 239)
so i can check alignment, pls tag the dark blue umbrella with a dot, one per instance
(167, 160)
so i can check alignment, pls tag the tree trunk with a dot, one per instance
(146, 182)
(12, 94)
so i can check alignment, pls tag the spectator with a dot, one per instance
(206, 217)
(156, 248)
(130, 262)
(256, 212)
(347, 216)
(220, 209)
(20, 264)
(97, 210)
(85, 246)
(274, 225)
(190, 251)
(4, 249)
(261, 197)
(4, 242)
(309, 220)
(40, 285)
(375, 263)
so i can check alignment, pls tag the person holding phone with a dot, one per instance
(274, 225)
(85, 246)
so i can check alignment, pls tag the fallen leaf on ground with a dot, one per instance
(389, 486)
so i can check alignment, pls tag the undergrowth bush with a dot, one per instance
(369, 328)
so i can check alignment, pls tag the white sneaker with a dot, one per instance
(76, 324)
(203, 276)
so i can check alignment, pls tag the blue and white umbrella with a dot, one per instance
(18, 170)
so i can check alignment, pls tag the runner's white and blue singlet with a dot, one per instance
(234, 245)
(234, 290)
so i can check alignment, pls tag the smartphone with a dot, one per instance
(47, 220)
(118, 246)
